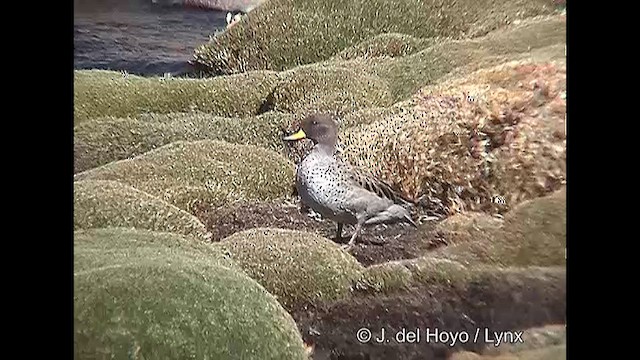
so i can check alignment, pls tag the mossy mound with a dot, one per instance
(469, 222)
(406, 75)
(299, 268)
(368, 116)
(556, 352)
(467, 227)
(385, 45)
(177, 310)
(98, 204)
(100, 141)
(532, 339)
(386, 278)
(519, 127)
(100, 93)
(222, 171)
(283, 34)
(534, 233)
(402, 275)
(114, 247)
(466, 147)
(326, 89)
(538, 230)
(486, 297)
(431, 272)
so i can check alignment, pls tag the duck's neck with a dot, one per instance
(325, 149)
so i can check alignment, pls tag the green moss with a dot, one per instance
(470, 222)
(388, 277)
(98, 142)
(368, 115)
(509, 143)
(468, 227)
(401, 275)
(112, 204)
(557, 352)
(385, 45)
(178, 310)
(227, 171)
(428, 270)
(534, 233)
(434, 272)
(105, 93)
(326, 89)
(538, 231)
(282, 34)
(299, 268)
(406, 75)
(113, 247)
(533, 339)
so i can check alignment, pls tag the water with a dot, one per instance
(140, 37)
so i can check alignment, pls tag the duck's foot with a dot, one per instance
(347, 247)
(352, 241)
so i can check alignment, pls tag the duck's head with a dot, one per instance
(319, 128)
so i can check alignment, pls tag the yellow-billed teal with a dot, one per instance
(338, 191)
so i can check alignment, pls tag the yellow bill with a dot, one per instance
(297, 136)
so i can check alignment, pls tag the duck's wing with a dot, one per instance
(374, 185)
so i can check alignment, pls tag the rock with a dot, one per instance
(298, 268)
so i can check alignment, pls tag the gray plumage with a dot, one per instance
(339, 192)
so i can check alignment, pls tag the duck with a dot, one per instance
(232, 19)
(338, 191)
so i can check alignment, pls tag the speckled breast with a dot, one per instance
(319, 187)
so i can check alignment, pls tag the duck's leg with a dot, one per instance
(355, 235)
(339, 232)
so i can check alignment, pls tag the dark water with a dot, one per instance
(140, 37)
